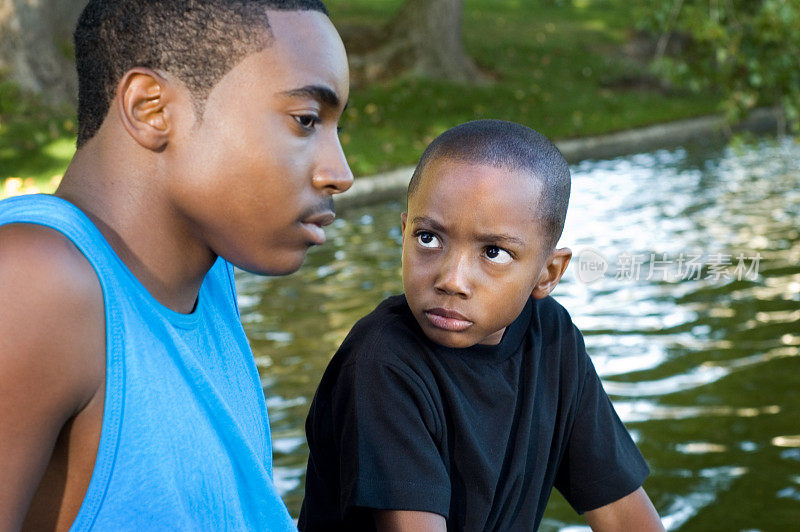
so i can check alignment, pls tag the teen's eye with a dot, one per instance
(307, 121)
(497, 255)
(428, 240)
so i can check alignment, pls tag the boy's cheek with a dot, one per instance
(415, 269)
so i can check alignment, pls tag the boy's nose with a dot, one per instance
(333, 174)
(453, 278)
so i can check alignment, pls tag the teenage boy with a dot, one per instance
(460, 404)
(207, 137)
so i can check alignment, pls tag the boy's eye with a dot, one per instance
(497, 255)
(428, 240)
(307, 121)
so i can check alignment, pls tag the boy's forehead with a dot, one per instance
(476, 201)
(461, 181)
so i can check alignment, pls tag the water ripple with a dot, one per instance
(702, 375)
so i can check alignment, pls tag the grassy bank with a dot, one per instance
(559, 68)
(558, 65)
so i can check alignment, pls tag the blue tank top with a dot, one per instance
(185, 443)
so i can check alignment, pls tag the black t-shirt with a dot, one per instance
(478, 435)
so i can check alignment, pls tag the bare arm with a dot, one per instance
(408, 521)
(632, 512)
(49, 303)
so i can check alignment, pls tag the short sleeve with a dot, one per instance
(388, 433)
(601, 463)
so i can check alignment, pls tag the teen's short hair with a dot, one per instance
(508, 145)
(198, 41)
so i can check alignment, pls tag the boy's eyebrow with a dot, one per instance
(500, 238)
(320, 93)
(433, 224)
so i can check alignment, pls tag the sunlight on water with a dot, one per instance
(706, 373)
(688, 505)
(641, 410)
(685, 281)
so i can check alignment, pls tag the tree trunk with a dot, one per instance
(423, 39)
(36, 46)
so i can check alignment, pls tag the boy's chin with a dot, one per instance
(452, 340)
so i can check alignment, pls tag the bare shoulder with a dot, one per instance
(51, 302)
(52, 353)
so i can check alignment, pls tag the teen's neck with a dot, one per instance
(126, 200)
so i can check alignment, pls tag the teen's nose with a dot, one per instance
(453, 276)
(332, 174)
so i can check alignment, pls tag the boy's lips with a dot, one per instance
(314, 224)
(446, 319)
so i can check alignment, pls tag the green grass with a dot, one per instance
(36, 141)
(555, 63)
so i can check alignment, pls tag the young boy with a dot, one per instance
(460, 404)
(129, 397)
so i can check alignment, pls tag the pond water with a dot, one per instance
(694, 326)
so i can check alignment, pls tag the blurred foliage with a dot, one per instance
(36, 140)
(748, 50)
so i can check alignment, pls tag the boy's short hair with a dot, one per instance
(508, 145)
(198, 41)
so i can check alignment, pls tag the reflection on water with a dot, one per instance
(703, 368)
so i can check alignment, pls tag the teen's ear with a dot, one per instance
(556, 264)
(142, 98)
(403, 219)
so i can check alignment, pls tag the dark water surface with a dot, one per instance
(694, 327)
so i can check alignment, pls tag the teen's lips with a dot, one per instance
(448, 320)
(313, 226)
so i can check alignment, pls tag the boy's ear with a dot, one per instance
(142, 98)
(551, 273)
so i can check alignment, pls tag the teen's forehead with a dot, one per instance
(308, 44)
